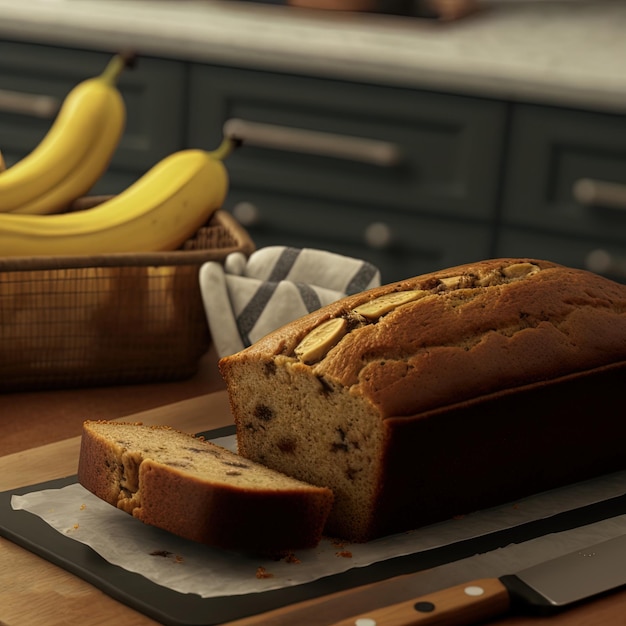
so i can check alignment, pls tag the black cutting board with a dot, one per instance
(178, 609)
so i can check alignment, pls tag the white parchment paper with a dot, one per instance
(188, 567)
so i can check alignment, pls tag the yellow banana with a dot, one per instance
(158, 212)
(74, 153)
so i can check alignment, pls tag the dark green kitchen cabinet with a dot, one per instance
(432, 206)
(461, 178)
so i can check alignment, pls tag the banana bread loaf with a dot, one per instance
(440, 395)
(199, 490)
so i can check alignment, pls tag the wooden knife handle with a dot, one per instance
(465, 604)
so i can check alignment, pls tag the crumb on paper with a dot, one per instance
(292, 558)
(261, 572)
(166, 554)
(340, 544)
(75, 527)
(83, 507)
(163, 553)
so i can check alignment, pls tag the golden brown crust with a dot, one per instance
(461, 343)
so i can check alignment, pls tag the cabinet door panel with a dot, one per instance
(450, 145)
(551, 150)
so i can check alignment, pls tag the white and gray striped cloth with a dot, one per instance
(246, 298)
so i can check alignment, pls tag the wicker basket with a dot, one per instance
(111, 319)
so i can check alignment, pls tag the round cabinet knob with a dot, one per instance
(378, 235)
(246, 213)
(602, 262)
(598, 261)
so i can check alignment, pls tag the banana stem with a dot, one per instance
(224, 149)
(115, 67)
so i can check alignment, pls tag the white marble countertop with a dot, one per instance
(567, 52)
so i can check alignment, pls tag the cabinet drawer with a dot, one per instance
(153, 92)
(400, 245)
(602, 257)
(551, 150)
(448, 144)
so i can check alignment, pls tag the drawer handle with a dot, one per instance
(591, 192)
(28, 104)
(603, 262)
(289, 139)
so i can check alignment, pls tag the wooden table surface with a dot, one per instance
(34, 592)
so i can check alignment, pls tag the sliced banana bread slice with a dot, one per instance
(198, 490)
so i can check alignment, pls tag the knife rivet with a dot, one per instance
(424, 607)
(474, 590)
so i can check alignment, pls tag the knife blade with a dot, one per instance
(544, 588)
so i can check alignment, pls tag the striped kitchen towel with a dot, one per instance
(246, 298)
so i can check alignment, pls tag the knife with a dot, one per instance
(544, 588)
